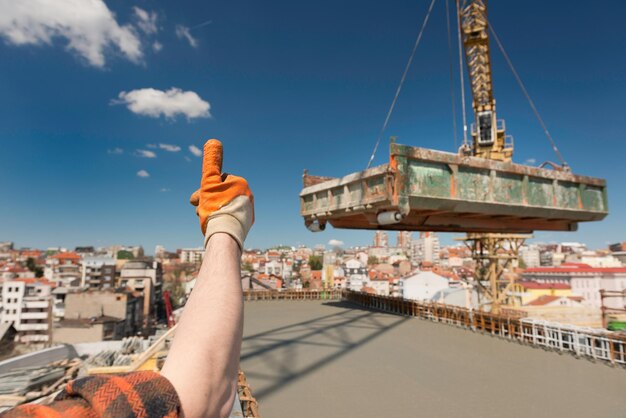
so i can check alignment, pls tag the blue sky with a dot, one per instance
(286, 86)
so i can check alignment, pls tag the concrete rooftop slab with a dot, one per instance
(333, 359)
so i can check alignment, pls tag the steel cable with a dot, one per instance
(530, 101)
(452, 98)
(406, 70)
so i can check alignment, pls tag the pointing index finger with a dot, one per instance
(212, 161)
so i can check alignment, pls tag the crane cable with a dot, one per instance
(406, 70)
(452, 98)
(564, 164)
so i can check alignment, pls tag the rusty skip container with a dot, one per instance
(426, 190)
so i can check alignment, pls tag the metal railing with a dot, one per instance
(580, 341)
(254, 295)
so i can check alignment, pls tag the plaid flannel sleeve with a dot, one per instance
(137, 394)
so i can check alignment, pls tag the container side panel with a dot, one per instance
(473, 184)
(540, 192)
(322, 200)
(593, 199)
(567, 195)
(356, 192)
(507, 188)
(338, 197)
(429, 179)
(376, 186)
(308, 203)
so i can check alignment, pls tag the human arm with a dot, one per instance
(203, 361)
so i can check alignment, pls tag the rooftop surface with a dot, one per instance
(332, 359)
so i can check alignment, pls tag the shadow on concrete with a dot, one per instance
(283, 355)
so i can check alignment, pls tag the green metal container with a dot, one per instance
(426, 190)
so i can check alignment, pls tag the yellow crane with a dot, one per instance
(489, 139)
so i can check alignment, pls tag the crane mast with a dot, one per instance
(494, 254)
(488, 134)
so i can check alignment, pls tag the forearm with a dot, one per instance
(206, 348)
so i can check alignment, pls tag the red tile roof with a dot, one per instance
(543, 300)
(575, 268)
(33, 280)
(66, 256)
(546, 299)
(16, 270)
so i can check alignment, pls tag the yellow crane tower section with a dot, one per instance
(489, 139)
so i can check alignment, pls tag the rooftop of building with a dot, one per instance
(546, 299)
(137, 264)
(66, 256)
(546, 286)
(566, 268)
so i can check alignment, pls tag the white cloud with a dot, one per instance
(145, 153)
(531, 161)
(157, 46)
(154, 103)
(195, 150)
(187, 159)
(88, 26)
(165, 189)
(147, 20)
(151, 146)
(143, 174)
(183, 32)
(169, 147)
(115, 151)
(335, 243)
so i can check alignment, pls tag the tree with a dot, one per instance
(371, 260)
(521, 263)
(247, 266)
(315, 261)
(125, 255)
(31, 265)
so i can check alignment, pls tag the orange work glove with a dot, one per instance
(224, 202)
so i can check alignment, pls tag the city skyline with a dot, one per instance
(88, 160)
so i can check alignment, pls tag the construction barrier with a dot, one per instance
(580, 341)
(253, 295)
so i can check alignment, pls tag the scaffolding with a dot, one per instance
(494, 255)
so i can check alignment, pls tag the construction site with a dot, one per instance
(296, 344)
(342, 353)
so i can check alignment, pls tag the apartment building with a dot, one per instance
(145, 277)
(27, 304)
(63, 269)
(585, 281)
(425, 248)
(191, 255)
(99, 306)
(98, 272)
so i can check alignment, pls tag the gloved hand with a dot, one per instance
(224, 202)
